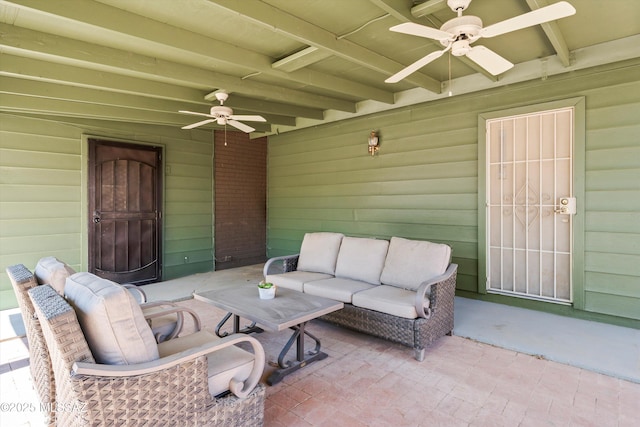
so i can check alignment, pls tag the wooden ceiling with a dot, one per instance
(297, 63)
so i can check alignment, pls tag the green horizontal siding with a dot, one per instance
(423, 184)
(613, 221)
(40, 196)
(612, 228)
(612, 283)
(41, 193)
(614, 305)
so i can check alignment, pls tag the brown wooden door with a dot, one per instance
(124, 212)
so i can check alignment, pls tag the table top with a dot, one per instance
(288, 308)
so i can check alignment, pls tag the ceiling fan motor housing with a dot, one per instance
(221, 111)
(462, 28)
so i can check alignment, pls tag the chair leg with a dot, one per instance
(419, 354)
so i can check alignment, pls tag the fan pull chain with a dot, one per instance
(450, 91)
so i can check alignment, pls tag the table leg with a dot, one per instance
(236, 326)
(302, 358)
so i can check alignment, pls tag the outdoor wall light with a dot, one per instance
(373, 143)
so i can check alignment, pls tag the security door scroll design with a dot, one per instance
(530, 205)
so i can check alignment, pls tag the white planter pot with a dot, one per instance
(269, 293)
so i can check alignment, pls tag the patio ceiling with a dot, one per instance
(297, 63)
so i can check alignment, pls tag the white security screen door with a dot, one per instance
(530, 205)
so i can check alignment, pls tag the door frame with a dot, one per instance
(84, 196)
(577, 271)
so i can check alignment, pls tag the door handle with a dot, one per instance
(96, 216)
(567, 206)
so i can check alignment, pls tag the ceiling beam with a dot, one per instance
(399, 10)
(57, 107)
(261, 106)
(51, 90)
(295, 61)
(27, 43)
(41, 70)
(38, 70)
(284, 23)
(159, 40)
(620, 53)
(553, 33)
(47, 90)
(428, 8)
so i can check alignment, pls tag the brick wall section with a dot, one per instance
(240, 182)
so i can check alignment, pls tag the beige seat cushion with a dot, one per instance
(111, 320)
(319, 252)
(50, 270)
(361, 259)
(225, 364)
(389, 299)
(295, 279)
(337, 288)
(411, 262)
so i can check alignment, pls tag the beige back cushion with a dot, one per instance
(50, 270)
(411, 262)
(319, 252)
(361, 259)
(111, 320)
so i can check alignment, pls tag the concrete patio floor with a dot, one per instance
(503, 366)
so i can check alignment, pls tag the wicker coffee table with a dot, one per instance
(289, 309)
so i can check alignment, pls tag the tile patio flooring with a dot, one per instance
(366, 381)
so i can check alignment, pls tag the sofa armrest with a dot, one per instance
(424, 290)
(287, 263)
(237, 387)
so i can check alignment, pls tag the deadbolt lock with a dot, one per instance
(567, 206)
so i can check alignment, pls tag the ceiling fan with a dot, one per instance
(458, 33)
(224, 115)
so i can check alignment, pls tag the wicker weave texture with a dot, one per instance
(416, 333)
(41, 371)
(175, 396)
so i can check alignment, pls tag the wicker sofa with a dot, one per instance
(401, 290)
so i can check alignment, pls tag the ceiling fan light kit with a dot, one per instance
(459, 33)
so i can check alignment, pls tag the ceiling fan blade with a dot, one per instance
(489, 60)
(540, 16)
(193, 112)
(241, 126)
(195, 125)
(421, 31)
(415, 66)
(248, 118)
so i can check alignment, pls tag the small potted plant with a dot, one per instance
(267, 290)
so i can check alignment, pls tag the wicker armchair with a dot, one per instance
(41, 371)
(172, 390)
(52, 271)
